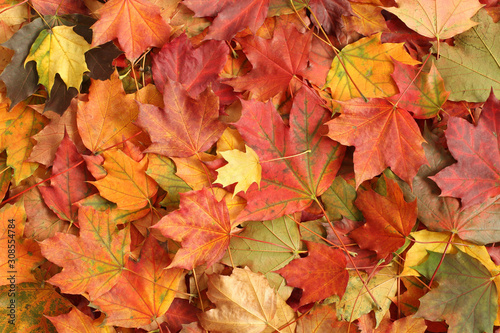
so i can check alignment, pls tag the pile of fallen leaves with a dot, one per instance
(249, 166)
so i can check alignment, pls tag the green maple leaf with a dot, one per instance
(466, 296)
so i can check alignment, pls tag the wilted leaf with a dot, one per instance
(21, 80)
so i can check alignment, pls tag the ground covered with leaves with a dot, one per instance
(249, 166)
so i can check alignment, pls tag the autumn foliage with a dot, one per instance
(250, 166)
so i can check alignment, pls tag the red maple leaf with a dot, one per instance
(186, 126)
(202, 226)
(389, 219)
(194, 68)
(320, 275)
(275, 61)
(476, 175)
(231, 16)
(298, 163)
(384, 135)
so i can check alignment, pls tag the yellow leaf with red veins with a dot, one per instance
(441, 19)
(368, 63)
(16, 129)
(126, 183)
(107, 117)
(135, 24)
(18, 255)
(61, 51)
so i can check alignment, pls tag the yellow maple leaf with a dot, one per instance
(369, 64)
(59, 51)
(242, 168)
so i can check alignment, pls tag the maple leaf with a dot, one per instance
(92, 262)
(247, 297)
(186, 126)
(339, 201)
(423, 95)
(242, 168)
(408, 324)
(22, 80)
(19, 256)
(384, 136)
(107, 116)
(292, 176)
(144, 291)
(77, 321)
(34, 301)
(323, 319)
(369, 64)
(202, 226)
(71, 185)
(194, 68)
(275, 61)
(476, 176)
(389, 219)
(320, 275)
(437, 18)
(329, 14)
(50, 137)
(265, 247)
(231, 16)
(367, 19)
(16, 129)
(126, 182)
(59, 7)
(357, 302)
(476, 223)
(59, 51)
(136, 24)
(181, 312)
(466, 296)
(470, 68)
(162, 170)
